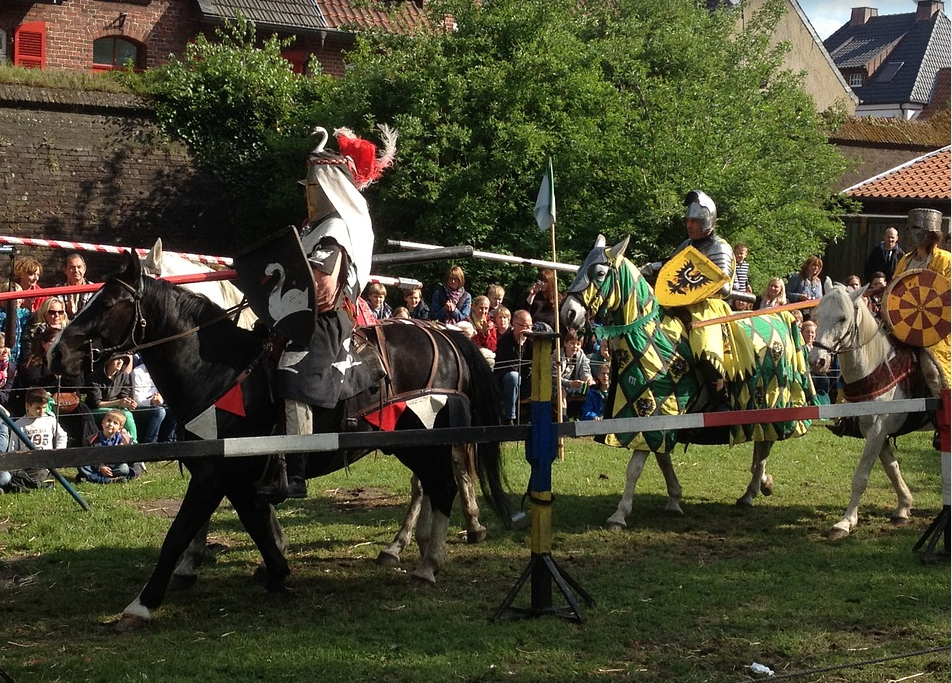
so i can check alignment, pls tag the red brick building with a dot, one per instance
(98, 35)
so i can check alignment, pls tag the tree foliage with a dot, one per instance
(636, 101)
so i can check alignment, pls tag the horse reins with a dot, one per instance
(139, 322)
(851, 334)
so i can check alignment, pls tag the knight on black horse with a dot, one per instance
(216, 380)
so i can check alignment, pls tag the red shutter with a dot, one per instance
(29, 45)
(297, 59)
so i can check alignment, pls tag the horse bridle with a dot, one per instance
(850, 336)
(138, 323)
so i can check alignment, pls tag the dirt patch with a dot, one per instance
(162, 507)
(363, 499)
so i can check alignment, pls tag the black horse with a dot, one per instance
(196, 355)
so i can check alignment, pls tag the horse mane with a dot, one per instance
(175, 305)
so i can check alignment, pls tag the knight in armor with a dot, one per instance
(338, 242)
(718, 358)
(925, 233)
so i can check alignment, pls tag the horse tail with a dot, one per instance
(485, 399)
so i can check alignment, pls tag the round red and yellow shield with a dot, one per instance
(916, 307)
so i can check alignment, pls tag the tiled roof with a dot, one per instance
(289, 15)
(350, 15)
(928, 133)
(926, 177)
(941, 95)
(308, 15)
(911, 52)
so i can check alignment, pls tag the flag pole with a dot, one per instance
(545, 217)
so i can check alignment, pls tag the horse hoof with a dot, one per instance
(129, 623)
(279, 595)
(674, 511)
(182, 582)
(766, 486)
(386, 559)
(744, 502)
(836, 534)
(899, 521)
(615, 526)
(417, 581)
(477, 536)
(259, 576)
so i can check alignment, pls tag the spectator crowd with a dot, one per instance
(118, 404)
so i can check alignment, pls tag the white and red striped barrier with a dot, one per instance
(402, 283)
(107, 249)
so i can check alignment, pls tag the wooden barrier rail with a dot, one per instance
(264, 445)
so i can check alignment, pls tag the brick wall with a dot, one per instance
(92, 167)
(161, 27)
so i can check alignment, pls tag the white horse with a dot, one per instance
(161, 263)
(872, 368)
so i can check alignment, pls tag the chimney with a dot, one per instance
(926, 9)
(861, 15)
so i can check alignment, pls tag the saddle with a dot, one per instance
(370, 344)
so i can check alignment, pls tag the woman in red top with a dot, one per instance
(485, 330)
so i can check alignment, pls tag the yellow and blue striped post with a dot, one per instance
(541, 452)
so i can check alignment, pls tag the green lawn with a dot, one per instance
(692, 598)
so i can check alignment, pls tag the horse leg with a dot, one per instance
(185, 576)
(635, 467)
(903, 495)
(205, 491)
(260, 521)
(434, 552)
(439, 488)
(391, 554)
(875, 439)
(464, 458)
(673, 486)
(760, 481)
(276, 531)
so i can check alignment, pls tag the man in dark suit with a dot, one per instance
(884, 256)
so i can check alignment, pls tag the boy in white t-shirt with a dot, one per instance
(46, 434)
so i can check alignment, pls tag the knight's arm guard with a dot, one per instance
(722, 256)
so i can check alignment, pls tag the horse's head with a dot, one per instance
(595, 287)
(842, 318)
(111, 321)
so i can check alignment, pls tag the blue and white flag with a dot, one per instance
(545, 202)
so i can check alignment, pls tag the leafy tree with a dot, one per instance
(237, 106)
(636, 101)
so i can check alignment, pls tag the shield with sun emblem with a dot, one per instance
(688, 277)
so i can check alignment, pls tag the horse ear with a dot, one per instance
(857, 294)
(827, 284)
(600, 241)
(152, 260)
(619, 250)
(131, 268)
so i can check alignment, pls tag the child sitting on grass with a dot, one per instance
(44, 432)
(594, 406)
(111, 434)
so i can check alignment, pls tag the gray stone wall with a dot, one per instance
(93, 167)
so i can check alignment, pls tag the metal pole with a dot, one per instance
(489, 256)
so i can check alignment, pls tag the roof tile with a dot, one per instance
(927, 177)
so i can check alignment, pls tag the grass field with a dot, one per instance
(692, 598)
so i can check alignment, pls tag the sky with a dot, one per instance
(828, 15)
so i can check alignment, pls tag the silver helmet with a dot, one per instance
(920, 222)
(698, 205)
